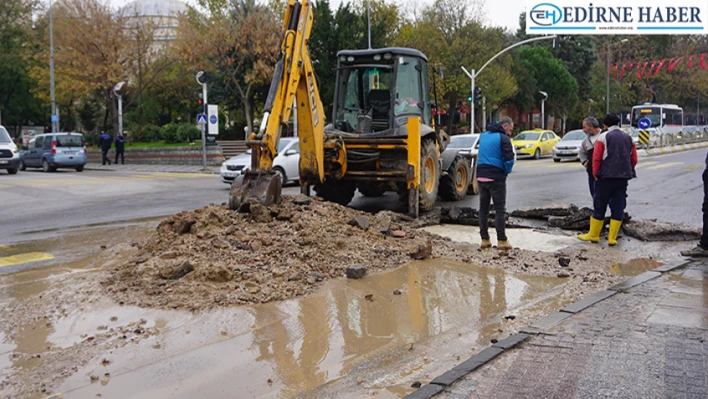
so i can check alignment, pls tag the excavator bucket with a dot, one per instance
(264, 187)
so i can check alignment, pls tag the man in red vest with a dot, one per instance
(613, 161)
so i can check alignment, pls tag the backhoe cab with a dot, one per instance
(382, 115)
(381, 137)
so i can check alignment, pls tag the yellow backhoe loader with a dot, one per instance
(381, 137)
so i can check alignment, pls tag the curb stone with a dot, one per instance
(536, 328)
(671, 150)
(672, 266)
(635, 281)
(426, 392)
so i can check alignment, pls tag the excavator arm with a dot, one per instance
(293, 80)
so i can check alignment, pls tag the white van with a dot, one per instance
(9, 153)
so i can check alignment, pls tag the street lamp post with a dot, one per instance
(116, 89)
(54, 117)
(607, 96)
(473, 74)
(543, 109)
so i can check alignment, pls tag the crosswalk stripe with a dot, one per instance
(24, 258)
(693, 167)
(643, 164)
(665, 165)
(565, 165)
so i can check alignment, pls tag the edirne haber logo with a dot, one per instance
(612, 17)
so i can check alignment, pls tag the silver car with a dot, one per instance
(286, 164)
(467, 143)
(569, 146)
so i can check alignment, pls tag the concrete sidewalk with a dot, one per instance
(645, 339)
(153, 168)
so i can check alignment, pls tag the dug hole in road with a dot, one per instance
(214, 303)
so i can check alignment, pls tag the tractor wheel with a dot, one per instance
(473, 188)
(372, 189)
(340, 192)
(429, 175)
(429, 178)
(453, 186)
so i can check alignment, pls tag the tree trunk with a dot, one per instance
(108, 102)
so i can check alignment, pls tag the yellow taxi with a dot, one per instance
(534, 143)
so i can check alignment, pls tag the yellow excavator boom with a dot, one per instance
(294, 80)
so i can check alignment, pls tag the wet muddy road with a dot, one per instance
(350, 338)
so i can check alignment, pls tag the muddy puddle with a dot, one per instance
(284, 349)
(81, 243)
(520, 238)
(634, 267)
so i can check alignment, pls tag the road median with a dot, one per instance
(672, 149)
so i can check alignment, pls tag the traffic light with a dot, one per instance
(201, 104)
(477, 96)
(469, 99)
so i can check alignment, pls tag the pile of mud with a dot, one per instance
(216, 257)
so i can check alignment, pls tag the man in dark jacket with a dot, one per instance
(105, 143)
(613, 161)
(120, 148)
(702, 248)
(495, 160)
(591, 127)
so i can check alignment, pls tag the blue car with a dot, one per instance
(55, 150)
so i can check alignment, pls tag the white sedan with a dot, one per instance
(467, 143)
(286, 164)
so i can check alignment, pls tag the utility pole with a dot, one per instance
(203, 127)
(368, 17)
(484, 112)
(473, 74)
(54, 117)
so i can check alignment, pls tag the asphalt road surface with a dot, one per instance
(36, 204)
(668, 187)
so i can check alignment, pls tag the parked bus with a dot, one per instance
(668, 117)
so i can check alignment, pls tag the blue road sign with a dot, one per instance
(55, 118)
(201, 119)
(644, 123)
(212, 119)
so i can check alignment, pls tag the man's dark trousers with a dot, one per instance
(591, 184)
(704, 237)
(492, 191)
(612, 192)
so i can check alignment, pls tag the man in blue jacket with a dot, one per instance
(495, 160)
(120, 148)
(105, 143)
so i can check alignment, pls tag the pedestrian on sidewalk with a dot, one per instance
(495, 161)
(702, 248)
(105, 143)
(613, 161)
(591, 127)
(120, 148)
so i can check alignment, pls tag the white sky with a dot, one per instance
(503, 13)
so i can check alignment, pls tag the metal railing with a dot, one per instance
(658, 138)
